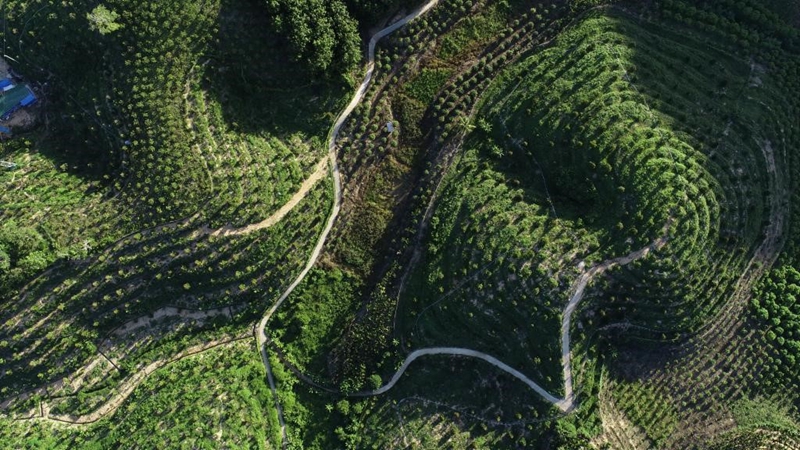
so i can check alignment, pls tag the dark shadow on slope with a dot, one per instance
(69, 67)
(258, 84)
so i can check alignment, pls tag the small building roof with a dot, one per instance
(9, 101)
(29, 99)
(17, 97)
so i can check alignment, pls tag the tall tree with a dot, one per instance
(322, 32)
(103, 20)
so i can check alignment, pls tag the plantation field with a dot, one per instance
(587, 148)
(111, 268)
(215, 399)
(442, 223)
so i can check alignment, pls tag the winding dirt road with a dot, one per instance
(130, 384)
(319, 173)
(578, 290)
(566, 404)
(460, 352)
(337, 195)
(125, 389)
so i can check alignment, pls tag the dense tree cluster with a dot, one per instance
(23, 252)
(366, 11)
(749, 22)
(777, 302)
(103, 20)
(324, 33)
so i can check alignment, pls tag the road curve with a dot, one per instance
(337, 196)
(459, 352)
(565, 404)
(320, 170)
(568, 402)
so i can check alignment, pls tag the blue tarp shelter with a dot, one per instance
(19, 96)
(29, 99)
(5, 82)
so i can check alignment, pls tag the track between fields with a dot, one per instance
(337, 195)
(565, 404)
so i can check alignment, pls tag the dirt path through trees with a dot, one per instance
(319, 173)
(127, 387)
(337, 189)
(566, 404)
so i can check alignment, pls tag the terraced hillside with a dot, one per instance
(152, 210)
(536, 224)
(759, 439)
(221, 390)
(606, 132)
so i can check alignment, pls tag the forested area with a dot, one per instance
(325, 33)
(776, 302)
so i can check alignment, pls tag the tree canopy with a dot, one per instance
(776, 302)
(103, 20)
(322, 32)
(23, 252)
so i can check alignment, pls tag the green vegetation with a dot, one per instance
(46, 199)
(567, 156)
(505, 158)
(91, 199)
(223, 398)
(474, 32)
(321, 32)
(758, 438)
(103, 20)
(324, 34)
(142, 273)
(217, 399)
(23, 252)
(320, 304)
(775, 302)
(761, 412)
(642, 405)
(424, 87)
